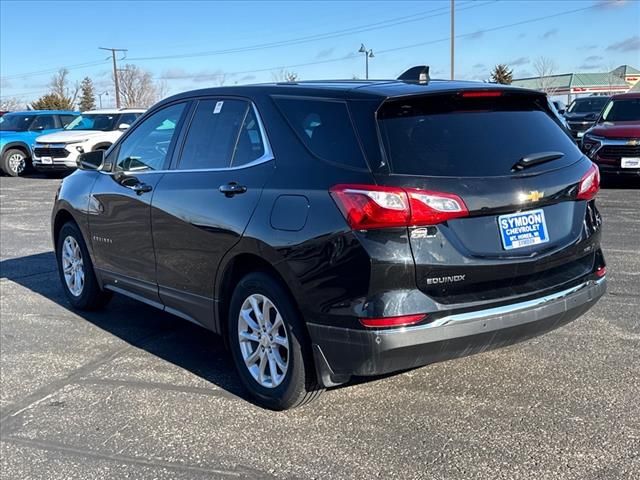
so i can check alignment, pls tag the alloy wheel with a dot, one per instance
(73, 266)
(264, 343)
(17, 162)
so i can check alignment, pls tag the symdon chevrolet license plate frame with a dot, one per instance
(523, 229)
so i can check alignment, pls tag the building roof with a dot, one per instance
(625, 71)
(577, 82)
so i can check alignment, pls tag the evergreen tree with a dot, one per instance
(87, 95)
(502, 74)
(52, 101)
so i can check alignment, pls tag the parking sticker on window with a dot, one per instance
(218, 107)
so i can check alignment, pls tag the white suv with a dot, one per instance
(93, 130)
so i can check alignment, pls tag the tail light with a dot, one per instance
(601, 272)
(400, 321)
(372, 206)
(589, 184)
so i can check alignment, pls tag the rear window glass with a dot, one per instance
(472, 137)
(325, 128)
(588, 105)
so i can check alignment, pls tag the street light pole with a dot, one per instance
(100, 97)
(453, 9)
(367, 55)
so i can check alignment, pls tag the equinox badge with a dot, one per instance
(447, 279)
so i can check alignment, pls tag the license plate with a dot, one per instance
(630, 162)
(523, 229)
(46, 160)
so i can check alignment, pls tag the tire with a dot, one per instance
(14, 162)
(86, 294)
(293, 386)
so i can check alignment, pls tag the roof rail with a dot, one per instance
(417, 74)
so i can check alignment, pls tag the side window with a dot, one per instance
(147, 146)
(213, 134)
(43, 122)
(250, 144)
(325, 128)
(66, 119)
(128, 118)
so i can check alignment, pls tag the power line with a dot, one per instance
(405, 47)
(295, 41)
(323, 36)
(53, 70)
(492, 29)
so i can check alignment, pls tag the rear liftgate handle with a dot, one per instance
(231, 189)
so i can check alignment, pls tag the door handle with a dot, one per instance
(231, 189)
(141, 188)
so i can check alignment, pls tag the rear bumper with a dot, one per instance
(341, 352)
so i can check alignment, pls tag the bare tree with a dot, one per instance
(137, 88)
(221, 78)
(11, 104)
(284, 76)
(59, 87)
(545, 69)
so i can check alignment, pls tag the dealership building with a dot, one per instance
(572, 85)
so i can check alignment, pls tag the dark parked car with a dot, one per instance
(583, 112)
(614, 141)
(339, 228)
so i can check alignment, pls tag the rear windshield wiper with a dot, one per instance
(535, 159)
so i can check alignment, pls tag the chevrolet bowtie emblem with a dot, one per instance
(533, 196)
(633, 142)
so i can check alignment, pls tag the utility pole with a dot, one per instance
(115, 70)
(453, 9)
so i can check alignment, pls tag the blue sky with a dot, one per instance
(314, 39)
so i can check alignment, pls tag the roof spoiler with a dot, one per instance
(418, 74)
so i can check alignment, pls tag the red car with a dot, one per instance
(614, 141)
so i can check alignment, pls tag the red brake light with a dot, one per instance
(589, 184)
(372, 206)
(479, 94)
(392, 321)
(366, 206)
(601, 272)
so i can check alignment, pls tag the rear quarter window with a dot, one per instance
(474, 137)
(325, 128)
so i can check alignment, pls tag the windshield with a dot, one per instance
(588, 105)
(627, 110)
(15, 123)
(98, 121)
(473, 138)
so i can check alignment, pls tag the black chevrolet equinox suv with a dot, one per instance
(333, 229)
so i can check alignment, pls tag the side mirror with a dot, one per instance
(561, 111)
(90, 160)
(123, 126)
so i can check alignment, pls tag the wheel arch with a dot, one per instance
(237, 266)
(22, 146)
(62, 216)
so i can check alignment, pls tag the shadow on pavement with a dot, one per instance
(186, 345)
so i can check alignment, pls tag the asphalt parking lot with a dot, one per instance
(132, 392)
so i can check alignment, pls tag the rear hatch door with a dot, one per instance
(524, 231)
